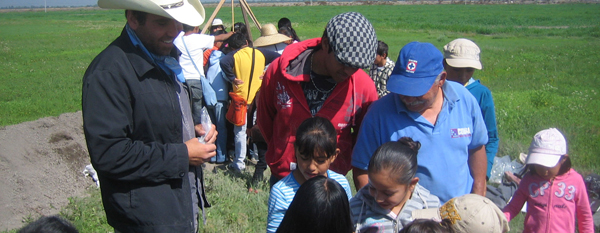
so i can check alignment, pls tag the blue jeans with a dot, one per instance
(240, 146)
(217, 115)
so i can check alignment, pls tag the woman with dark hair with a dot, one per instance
(320, 205)
(285, 22)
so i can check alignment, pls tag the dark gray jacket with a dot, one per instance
(133, 129)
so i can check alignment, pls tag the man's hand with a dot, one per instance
(478, 168)
(199, 153)
(209, 137)
(237, 82)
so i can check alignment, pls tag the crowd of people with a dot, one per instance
(419, 134)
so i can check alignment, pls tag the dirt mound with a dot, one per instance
(41, 164)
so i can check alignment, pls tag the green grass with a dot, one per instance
(540, 61)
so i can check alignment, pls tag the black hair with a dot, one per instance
(316, 134)
(286, 31)
(187, 28)
(237, 41)
(399, 158)
(382, 48)
(325, 37)
(319, 206)
(49, 224)
(140, 16)
(564, 168)
(429, 226)
(285, 22)
(240, 27)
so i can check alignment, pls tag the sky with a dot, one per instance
(49, 3)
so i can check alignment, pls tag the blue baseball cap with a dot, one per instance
(416, 68)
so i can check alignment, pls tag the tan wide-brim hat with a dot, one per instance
(270, 36)
(190, 12)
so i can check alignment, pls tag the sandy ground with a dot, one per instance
(41, 164)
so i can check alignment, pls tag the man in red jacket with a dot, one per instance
(318, 77)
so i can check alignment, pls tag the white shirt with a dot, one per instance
(196, 44)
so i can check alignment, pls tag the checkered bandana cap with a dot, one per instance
(353, 39)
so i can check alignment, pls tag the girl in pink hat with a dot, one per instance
(555, 193)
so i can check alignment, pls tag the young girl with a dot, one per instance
(316, 148)
(393, 192)
(320, 206)
(555, 193)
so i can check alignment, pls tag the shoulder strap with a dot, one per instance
(189, 54)
(251, 74)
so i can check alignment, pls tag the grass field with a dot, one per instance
(540, 61)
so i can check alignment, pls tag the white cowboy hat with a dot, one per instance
(190, 12)
(270, 36)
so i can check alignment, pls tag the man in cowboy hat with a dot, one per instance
(138, 123)
(318, 77)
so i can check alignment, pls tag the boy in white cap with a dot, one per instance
(555, 193)
(468, 214)
(461, 59)
(138, 123)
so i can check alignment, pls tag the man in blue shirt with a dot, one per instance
(442, 115)
(461, 59)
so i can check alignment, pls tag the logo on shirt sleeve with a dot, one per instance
(460, 132)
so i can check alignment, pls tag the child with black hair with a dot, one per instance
(429, 226)
(385, 204)
(319, 206)
(316, 148)
(555, 193)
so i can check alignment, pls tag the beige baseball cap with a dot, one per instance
(462, 53)
(468, 213)
(190, 12)
(547, 147)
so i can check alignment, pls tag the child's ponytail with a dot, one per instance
(399, 158)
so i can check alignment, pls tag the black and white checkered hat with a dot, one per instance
(353, 39)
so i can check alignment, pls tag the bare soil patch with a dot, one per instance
(41, 164)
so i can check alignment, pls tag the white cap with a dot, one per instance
(547, 147)
(468, 213)
(462, 53)
(217, 22)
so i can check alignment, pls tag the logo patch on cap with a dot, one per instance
(411, 66)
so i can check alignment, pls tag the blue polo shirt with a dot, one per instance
(443, 157)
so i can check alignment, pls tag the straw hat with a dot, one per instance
(269, 36)
(190, 12)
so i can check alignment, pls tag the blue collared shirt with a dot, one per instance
(443, 157)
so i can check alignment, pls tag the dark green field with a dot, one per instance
(540, 62)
